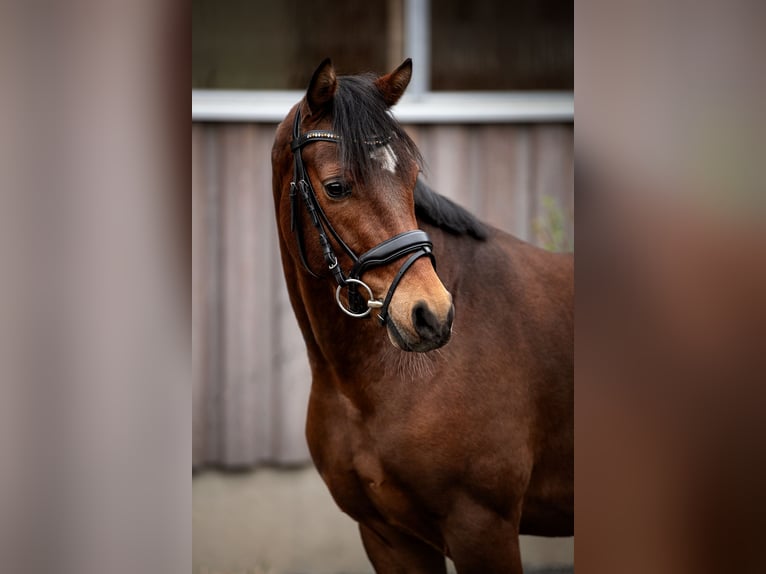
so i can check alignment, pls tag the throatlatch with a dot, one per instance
(415, 243)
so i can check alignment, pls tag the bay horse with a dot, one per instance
(455, 435)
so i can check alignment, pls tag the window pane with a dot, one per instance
(502, 45)
(277, 44)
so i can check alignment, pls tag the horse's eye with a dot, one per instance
(337, 189)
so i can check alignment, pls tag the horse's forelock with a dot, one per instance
(360, 115)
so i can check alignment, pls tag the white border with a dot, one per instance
(431, 107)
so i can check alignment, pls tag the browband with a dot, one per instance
(316, 135)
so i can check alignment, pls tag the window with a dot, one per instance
(488, 45)
(275, 45)
(513, 45)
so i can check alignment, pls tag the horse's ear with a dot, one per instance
(392, 85)
(322, 87)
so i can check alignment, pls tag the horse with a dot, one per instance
(441, 349)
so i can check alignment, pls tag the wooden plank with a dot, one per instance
(506, 165)
(247, 417)
(446, 160)
(475, 181)
(268, 250)
(290, 379)
(553, 166)
(200, 318)
(291, 374)
(212, 373)
(293, 379)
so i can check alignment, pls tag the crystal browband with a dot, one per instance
(321, 135)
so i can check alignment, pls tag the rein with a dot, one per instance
(415, 243)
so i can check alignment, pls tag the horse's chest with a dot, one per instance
(352, 470)
(360, 483)
(370, 495)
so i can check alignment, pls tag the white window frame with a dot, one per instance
(419, 105)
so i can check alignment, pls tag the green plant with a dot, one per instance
(550, 227)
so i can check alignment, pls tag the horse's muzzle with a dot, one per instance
(428, 331)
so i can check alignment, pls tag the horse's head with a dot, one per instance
(344, 176)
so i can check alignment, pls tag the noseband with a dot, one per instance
(415, 243)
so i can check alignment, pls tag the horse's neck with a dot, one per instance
(339, 345)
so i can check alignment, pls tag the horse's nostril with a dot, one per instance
(426, 324)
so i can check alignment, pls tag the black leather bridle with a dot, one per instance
(415, 243)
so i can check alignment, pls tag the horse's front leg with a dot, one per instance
(482, 542)
(394, 552)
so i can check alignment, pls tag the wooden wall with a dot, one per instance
(250, 374)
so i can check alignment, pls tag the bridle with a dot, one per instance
(415, 243)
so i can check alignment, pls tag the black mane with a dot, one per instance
(446, 214)
(360, 115)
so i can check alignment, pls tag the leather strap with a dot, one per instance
(312, 136)
(415, 242)
(383, 315)
(391, 249)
